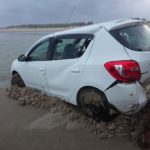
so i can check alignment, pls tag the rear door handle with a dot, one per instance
(75, 70)
(41, 69)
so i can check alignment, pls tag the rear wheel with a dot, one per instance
(94, 104)
(17, 80)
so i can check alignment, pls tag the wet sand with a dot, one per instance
(27, 128)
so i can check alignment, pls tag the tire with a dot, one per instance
(94, 104)
(17, 80)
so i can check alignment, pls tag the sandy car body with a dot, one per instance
(65, 77)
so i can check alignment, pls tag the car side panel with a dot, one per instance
(127, 98)
(105, 49)
(63, 76)
(31, 73)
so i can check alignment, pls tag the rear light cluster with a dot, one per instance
(124, 71)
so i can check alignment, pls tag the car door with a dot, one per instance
(33, 70)
(64, 71)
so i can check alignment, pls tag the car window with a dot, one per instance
(39, 53)
(69, 48)
(134, 37)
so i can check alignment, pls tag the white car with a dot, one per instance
(97, 67)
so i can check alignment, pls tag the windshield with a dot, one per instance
(134, 37)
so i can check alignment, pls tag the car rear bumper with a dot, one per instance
(127, 98)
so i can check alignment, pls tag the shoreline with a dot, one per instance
(34, 29)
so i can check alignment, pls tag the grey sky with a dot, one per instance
(14, 12)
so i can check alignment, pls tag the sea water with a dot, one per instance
(13, 44)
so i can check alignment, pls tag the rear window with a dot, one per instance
(71, 46)
(135, 37)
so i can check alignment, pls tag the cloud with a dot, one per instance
(50, 11)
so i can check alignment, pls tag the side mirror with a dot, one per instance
(22, 58)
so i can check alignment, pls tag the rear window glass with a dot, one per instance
(134, 37)
(70, 47)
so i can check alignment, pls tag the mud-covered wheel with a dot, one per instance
(94, 104)
(17, 80)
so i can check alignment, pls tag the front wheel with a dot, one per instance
(17, 80)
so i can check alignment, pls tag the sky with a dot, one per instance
(16, 12)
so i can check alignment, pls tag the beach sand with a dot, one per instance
(27, 128)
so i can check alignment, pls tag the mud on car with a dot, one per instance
(97, 67)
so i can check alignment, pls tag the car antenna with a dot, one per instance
(71, 13)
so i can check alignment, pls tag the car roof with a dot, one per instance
(95, 27)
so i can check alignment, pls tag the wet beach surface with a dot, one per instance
(29, 128)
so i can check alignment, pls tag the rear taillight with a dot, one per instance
(124, 71)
